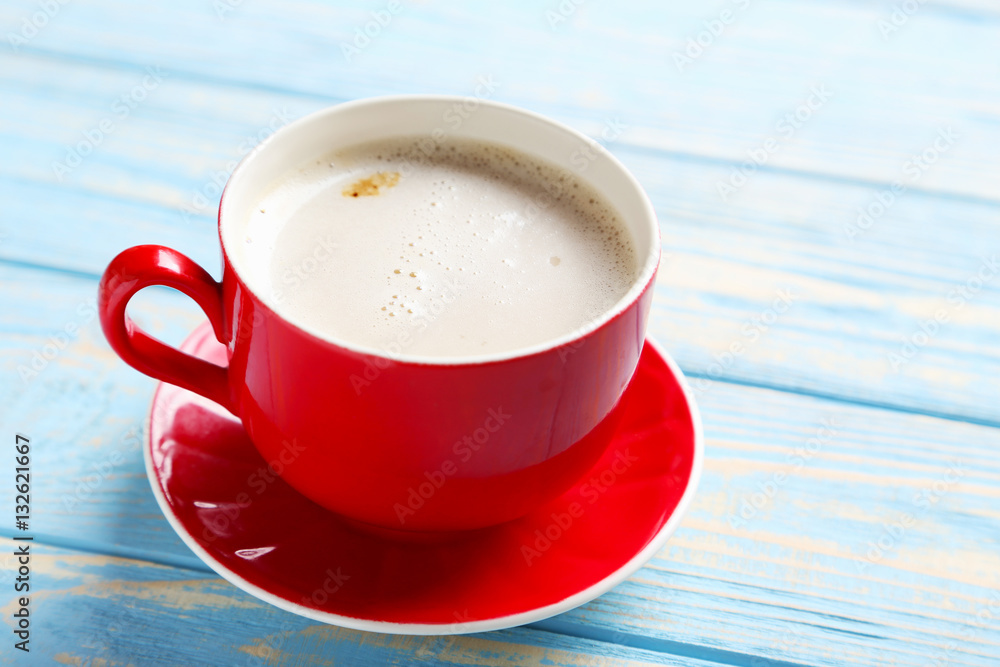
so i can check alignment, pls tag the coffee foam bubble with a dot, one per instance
(444, 249)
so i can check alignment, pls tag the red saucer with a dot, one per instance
(261, 535)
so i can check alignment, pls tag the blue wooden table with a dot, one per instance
(827, 181)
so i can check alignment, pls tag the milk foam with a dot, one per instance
(453, 249)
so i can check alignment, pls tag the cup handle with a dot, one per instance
(146, 265)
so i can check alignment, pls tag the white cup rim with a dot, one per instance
(649, 259)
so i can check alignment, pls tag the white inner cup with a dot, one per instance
(437, 118)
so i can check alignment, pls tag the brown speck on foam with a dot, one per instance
(373, 185)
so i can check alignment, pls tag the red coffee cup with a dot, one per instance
(387, 439)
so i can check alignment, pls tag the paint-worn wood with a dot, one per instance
(129, 612)
(604, 58)
(795, 549)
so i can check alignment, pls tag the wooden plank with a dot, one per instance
(727, 101)
(859, 302)
(764, 565)
(88, 609)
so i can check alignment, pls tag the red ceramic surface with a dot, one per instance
(259, 533)
(373, 435)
